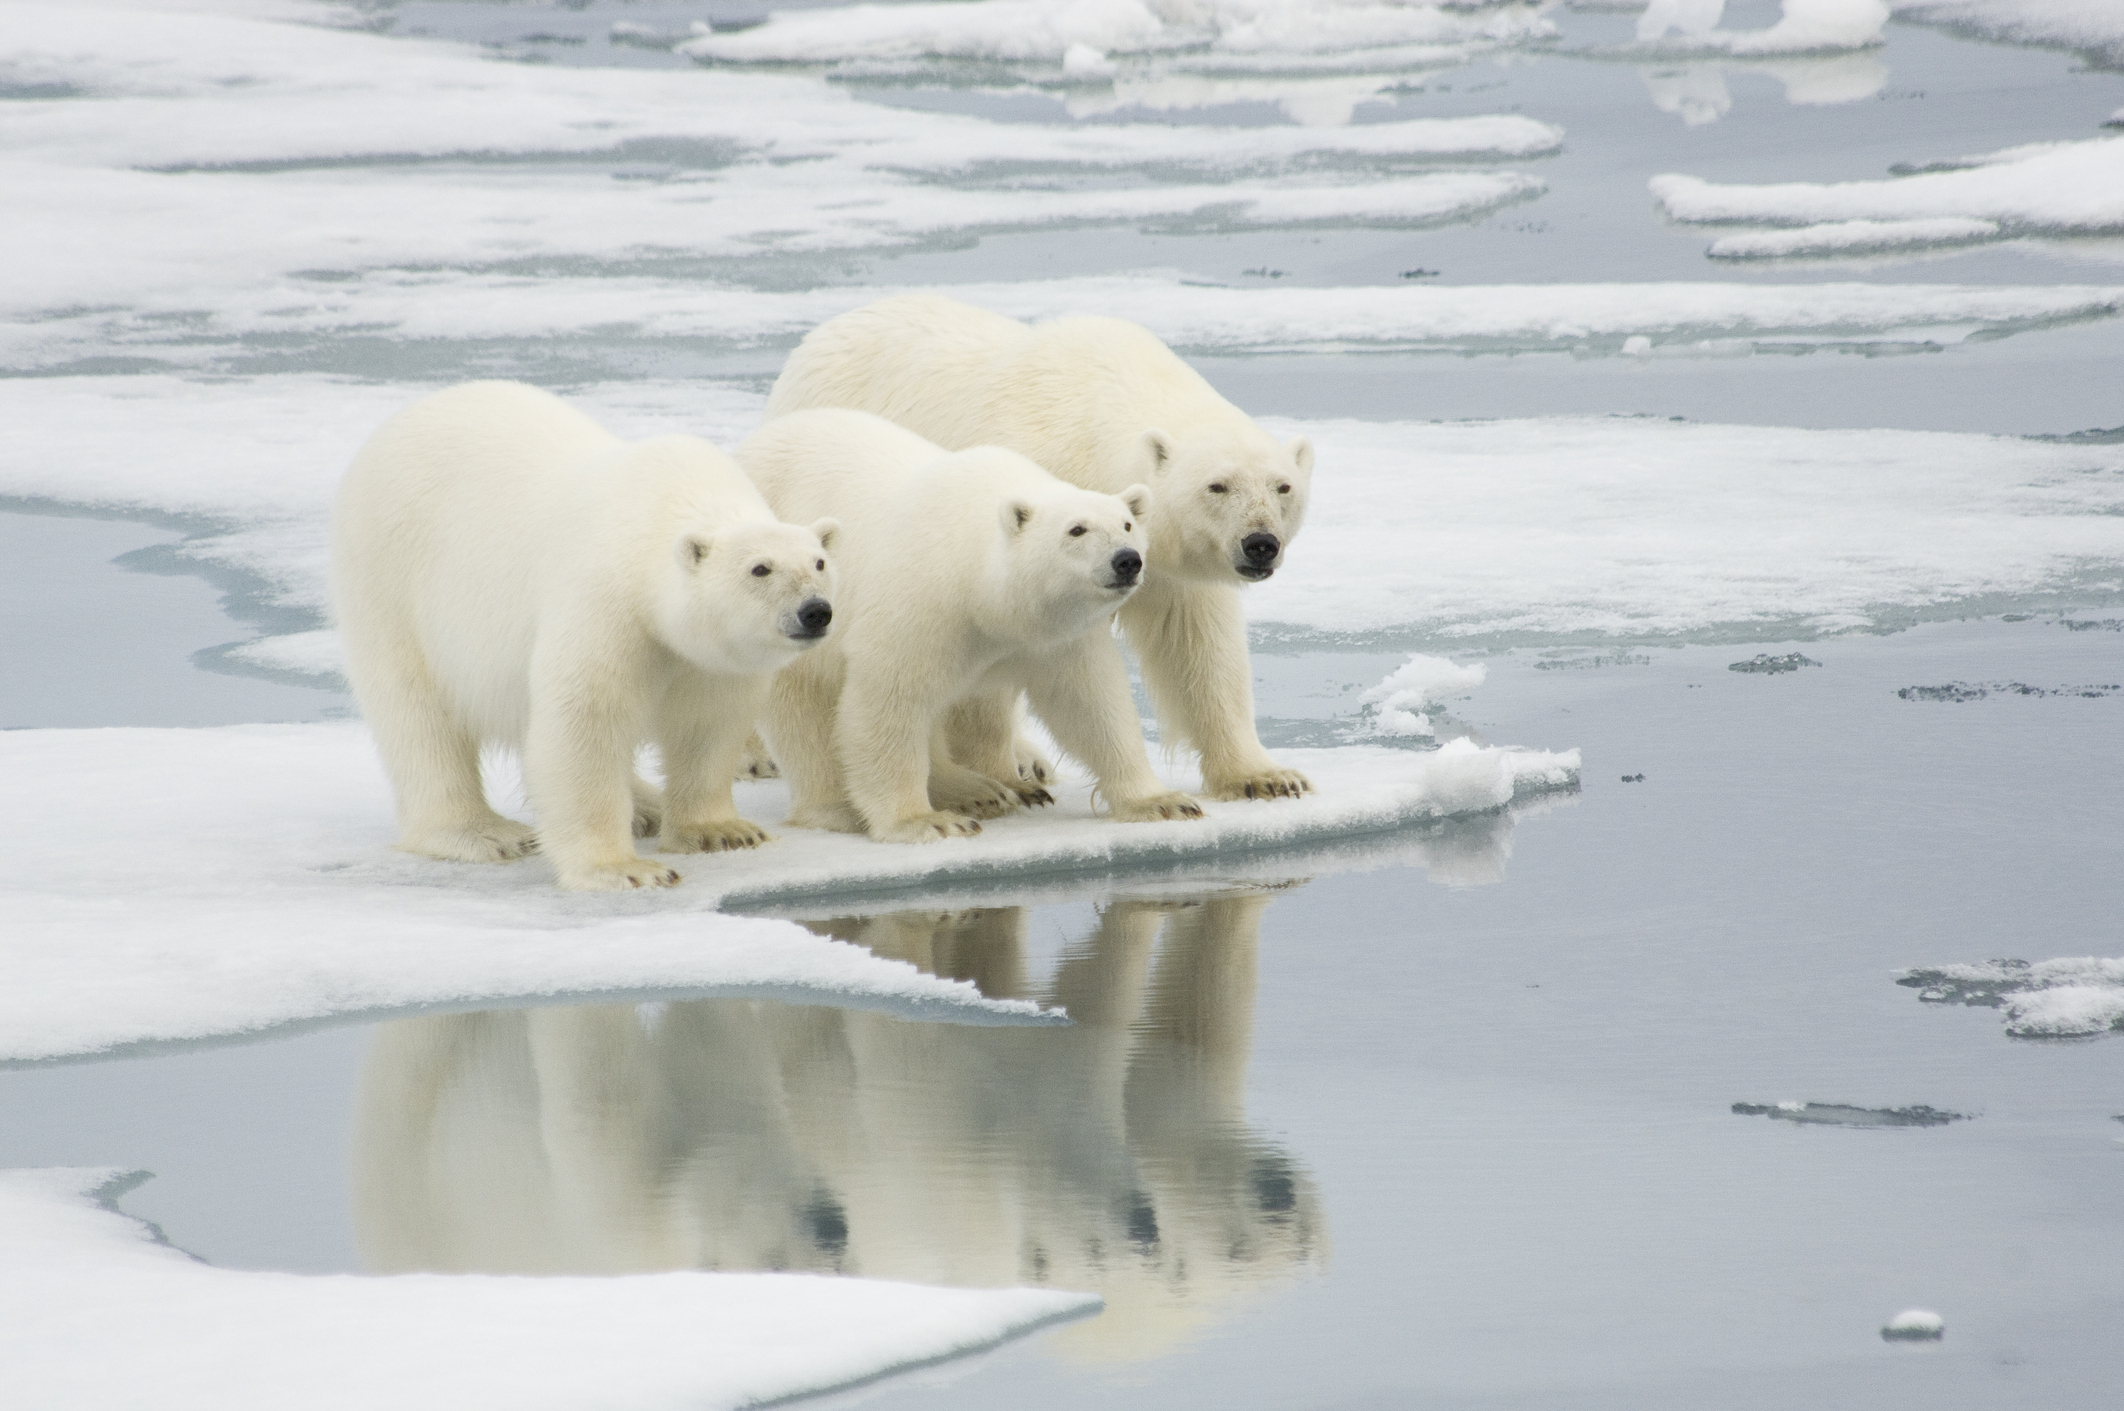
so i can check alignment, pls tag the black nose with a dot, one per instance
(1260, 549)
(815, 614)
(1127, 564)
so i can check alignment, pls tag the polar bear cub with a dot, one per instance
(969, 577)
(506, 571)
(1101, 403)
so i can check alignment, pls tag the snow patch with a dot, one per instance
(96, 1311)
(2057, 188)
(252, 884)
(1804, 27)
(1852, 237)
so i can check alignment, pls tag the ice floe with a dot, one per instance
(95, 1310)
(2095, 27)
(2045, 188)
(2049, 999)
(1400, 703)
(249, 882)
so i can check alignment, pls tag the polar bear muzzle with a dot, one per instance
(1260, 551)
(812, 617)
(1127, 565)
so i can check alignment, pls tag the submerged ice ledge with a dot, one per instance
(98, 1312)
(251, 884)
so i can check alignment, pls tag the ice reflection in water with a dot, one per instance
(1697, 94)
(1113, 1155)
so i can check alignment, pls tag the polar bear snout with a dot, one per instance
(813, 616)
(1127, 565)
(1260, 551)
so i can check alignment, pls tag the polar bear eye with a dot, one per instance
(1076, 531)
(760, 570)
(1283, 489)
(1128, 526)
(821, 565)
(1216, 487)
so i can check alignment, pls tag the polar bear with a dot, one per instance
(1101, 403)
(970, 577)
(506, 571)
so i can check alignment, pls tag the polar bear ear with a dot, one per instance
(1138, 500)
(1157, 450)
(1016, 514)
(691, 549)
(1301, 451)
(825, 529)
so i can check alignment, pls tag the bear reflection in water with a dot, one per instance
(1111, 1155)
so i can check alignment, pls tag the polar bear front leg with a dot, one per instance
(579, 770)
(1080, 691)
(882, 741)
(1191, 640)
(973, 759)
(802, 708)
(703, 726)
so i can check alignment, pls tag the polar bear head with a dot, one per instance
(750, 596)
(1230, 500)
(1072, 556)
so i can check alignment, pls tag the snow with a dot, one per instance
(1804, 27)
(1400, 701)
(1914, 1323)
(249, 882)
(96, 1311)
(2093, 26)
(2051, 188)
(1851, 237)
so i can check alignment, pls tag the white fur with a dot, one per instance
(964, 585)
(1101, 403)
(507, 572)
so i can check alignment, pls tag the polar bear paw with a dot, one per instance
(755, 762)
(1270, 783)
(648, 810)
(978, 796)
(927, 828)
(1153, 807)
(725, 835)
(494, 839)
(618, 876)
(1033, 767)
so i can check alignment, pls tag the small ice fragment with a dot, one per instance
(1401, 703)
(1083, 61)
(1914, 1325)
(1765, 664)
(1637, 346)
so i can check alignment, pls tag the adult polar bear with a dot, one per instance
(1101, 403)
(971, 575)
(506, 571)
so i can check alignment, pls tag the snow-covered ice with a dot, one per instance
(2095, 27)
(1852, 237)
(2050, 999)
(1914, 1325)
(2043, 188)
(96, 1311)
(251, 884)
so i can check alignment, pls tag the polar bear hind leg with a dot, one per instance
(433, 762)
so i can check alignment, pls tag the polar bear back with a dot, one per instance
(475, 512)
(1073, 395)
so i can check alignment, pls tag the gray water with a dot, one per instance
(1449, 1135)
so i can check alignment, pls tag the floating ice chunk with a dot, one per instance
(1914, 1325)
(2095, 27)
(1843, 1114)
(1637, 346)
(2067, 998)
(1401, 701)
(1011, 30)
(1765, 664)
(2055, 187)
(101, 1313)
(1852, 237)
(1804, 27)
(253, 884)
(1083, 61)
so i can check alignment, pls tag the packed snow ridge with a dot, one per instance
(2046, 188)
(95, 1310)
(1685, 28)
(2050, 999)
